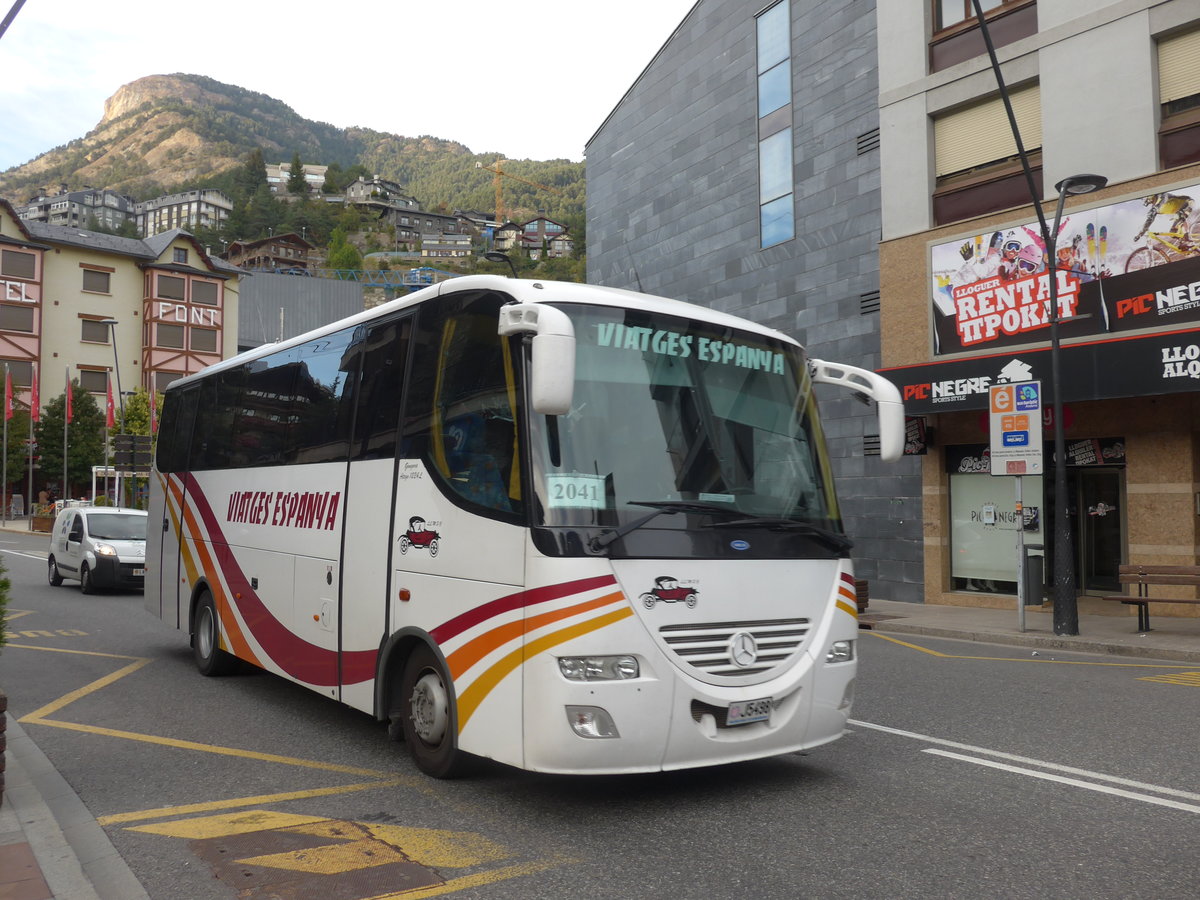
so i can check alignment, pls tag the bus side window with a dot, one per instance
(323, 407)
(462, 412)
(212, 438)
(175, 430)
(384, 355)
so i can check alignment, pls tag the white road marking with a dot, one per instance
(40, 555)
(1041, 764)
(1074, 782)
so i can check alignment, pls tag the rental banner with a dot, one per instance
(1129, 266)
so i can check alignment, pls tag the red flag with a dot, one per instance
(7, 394)
(69, 410)
(35, 404)
(109, 419)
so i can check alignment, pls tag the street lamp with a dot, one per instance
(1066, 608)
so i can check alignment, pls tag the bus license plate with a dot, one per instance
(141, 572)
(748, 711)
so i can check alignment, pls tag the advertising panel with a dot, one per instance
(1129, 266)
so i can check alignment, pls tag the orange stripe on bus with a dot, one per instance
(470, 699)
(849, 595)
(477, 648)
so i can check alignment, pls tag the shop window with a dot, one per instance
(975, 156)
(96, 282)
(1179, 94)
(17, 264)
(16, 318)
(206, 292)
(956, 34)
(93, 331)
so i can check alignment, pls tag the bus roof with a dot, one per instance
(521, 289)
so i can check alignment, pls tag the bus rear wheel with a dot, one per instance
(211, 660)
(426, 716)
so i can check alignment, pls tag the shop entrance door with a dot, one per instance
(1100, 525)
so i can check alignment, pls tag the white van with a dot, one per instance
(98, 546)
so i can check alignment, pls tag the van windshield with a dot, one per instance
(117, 527)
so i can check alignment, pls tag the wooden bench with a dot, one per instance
(1146, 577)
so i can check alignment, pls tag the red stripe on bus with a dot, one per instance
(296, 656)
(519, 600)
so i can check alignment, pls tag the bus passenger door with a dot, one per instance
(381, 350)
(165, 519)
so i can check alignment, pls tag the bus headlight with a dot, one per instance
(840, 651)
(592, 722)
(104, 549)
(598, 668)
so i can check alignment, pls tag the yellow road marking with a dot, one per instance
(1060, 662)
(67, 699)
(470, 881)
(332, 859)
(1188, 679)
(440, 849)
(163, 812)
(17, 613)
(224, 826)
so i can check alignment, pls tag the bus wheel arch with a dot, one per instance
(211, 660)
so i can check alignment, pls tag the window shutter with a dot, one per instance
(1179, 66)
(980, 134)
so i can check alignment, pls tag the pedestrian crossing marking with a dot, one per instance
(1187, 679)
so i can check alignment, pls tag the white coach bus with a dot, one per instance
(569, 528)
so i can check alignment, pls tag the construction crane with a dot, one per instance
(498, 175)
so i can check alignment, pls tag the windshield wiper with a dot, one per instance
(661, 508)
(831, 539)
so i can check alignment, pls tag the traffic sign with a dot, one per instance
(1015, 427)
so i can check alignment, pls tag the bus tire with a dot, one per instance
(211, 660)
(426, 716)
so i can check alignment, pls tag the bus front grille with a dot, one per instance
(722, 648)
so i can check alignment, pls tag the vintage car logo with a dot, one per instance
(668, 590)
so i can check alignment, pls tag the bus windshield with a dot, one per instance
(676, 415)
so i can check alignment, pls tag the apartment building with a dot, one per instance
(86, 208)
(1109, 88)
(187, 210)
(83, 305)
(740, 171)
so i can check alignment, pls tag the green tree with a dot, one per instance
(18, 453)
(343, 254)
(136, 417)
(85, 439)
(296, 182)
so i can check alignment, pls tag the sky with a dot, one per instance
(533, 85)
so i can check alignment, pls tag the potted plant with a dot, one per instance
(43, 517)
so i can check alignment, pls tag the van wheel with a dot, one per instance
(54, 578)
(427, 717)
(86, 585)
(211, 660)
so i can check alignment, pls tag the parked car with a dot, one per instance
(98, 546)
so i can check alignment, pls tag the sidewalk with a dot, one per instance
(51, 847)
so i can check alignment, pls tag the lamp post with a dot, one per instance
(1066, 608)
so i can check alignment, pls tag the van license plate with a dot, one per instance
(748, 711)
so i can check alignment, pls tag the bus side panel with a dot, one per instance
(362, 618)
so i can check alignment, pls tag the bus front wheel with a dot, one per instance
(206, 640)
(426, 716)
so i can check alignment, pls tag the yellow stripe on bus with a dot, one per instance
(846, 607)
(470, 699)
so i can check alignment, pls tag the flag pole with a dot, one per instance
(66, 429)
(7, 416)
(34, 415)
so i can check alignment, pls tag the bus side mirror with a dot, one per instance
(552, 377)
(885, 394)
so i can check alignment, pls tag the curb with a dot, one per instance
(74, 854)
(1017, 639)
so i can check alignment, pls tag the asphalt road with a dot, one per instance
(970, 771)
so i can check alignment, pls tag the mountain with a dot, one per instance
(164, 133)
